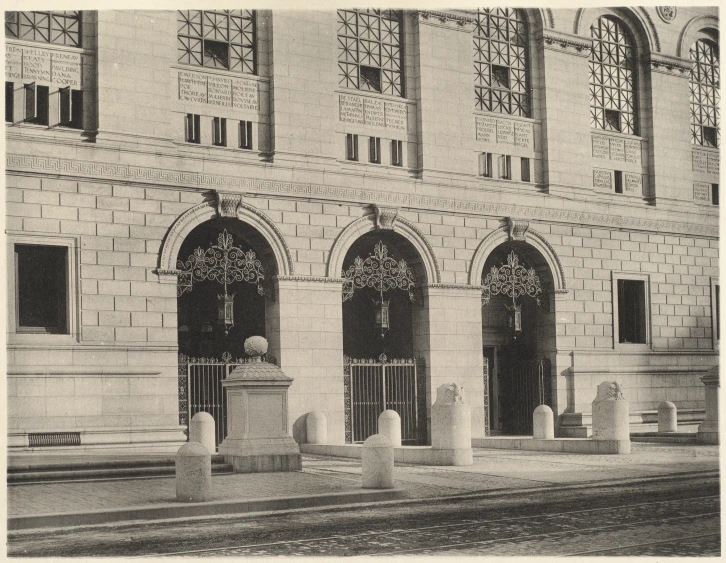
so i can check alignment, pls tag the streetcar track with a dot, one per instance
(630, 546)
(470, 523)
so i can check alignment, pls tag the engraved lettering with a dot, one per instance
(219, 91)
(396, 116)
(192, 87)
(245, 95)
(632, 151)
(36, 65)
(701, 191)
(505, 131)
(373, 112)
(617, 149)
(523, 134)
(351, 109)
(713, 164)
(13, 63)
(700, 162)
(486, 129)
(602, 179)
(600, 147)
(633, 184)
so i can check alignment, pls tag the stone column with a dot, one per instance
(451, 426)
(708, 429)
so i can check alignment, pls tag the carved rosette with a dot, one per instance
(667, 13)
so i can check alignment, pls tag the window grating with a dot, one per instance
(45, 439)
(501, 62)
(57, 27)
(704, 94)
(612, 77)
(369, 50)
(218, 39)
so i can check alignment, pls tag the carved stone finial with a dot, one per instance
(517, 229)
(385, 217)
(610, 391)
(227, 204)
(449, 393)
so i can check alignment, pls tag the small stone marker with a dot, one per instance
(389, 425)
(543, 423)
(193, 473)
(451, 425)
(667, 417)
(377, 463)
(316, 426)
(610, 414)
(201, 430)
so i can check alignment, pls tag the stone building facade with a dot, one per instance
(584, 141)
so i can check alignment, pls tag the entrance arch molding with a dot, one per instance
(399, 225)
(533, 238)
(206, 211)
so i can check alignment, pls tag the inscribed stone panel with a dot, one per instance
(66, 69)
(245, 94)
(523, 134)
(36, 65)
(600, 147)
(505, 131)
(192, 87)
(617, 149)
(351, 109)
(602, 179)
(486, 129)
(396, 116)
(219, 91)
(633, 184)
(700, 162)
(702, 191)
(373, 112)
(632, 151)
(713, 163)
(13, 63)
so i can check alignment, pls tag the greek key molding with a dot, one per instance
(125, 172)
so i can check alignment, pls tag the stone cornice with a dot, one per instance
(666, 64)
(566, 43)
(199, 180)
(445, 19)
(451, 286)
(317, 279)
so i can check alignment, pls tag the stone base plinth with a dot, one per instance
(261, 455)
(707, 433)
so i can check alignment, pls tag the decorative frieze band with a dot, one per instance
(318, 279)
(670, 65)
(451, 286)
(571, 44)
(453, 21)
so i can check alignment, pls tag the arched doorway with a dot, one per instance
(518, 334)
(382, 304)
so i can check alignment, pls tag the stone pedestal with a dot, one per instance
(543, 423)
(257, 437)
(610, 415)
(389, 425)
(451, 425)
(193, 472)
(201, 430)
(316, 428)
(377, 463)
(708, 429)
(667, 417)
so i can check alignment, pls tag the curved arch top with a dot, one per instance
(689, 34)
(203, 212)
(533, 238)
(645, 28)
(402, 226)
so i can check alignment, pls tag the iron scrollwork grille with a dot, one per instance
(380, 272)
(512, 280)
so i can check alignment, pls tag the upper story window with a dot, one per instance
(369, 50)
(704, 94)
(613, 100)
(501, 62)
(56, 27)
(217, 39)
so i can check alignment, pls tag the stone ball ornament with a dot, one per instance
(256, 346)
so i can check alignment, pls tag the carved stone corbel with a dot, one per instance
(385, 217)
(517, 229)
(228, 204)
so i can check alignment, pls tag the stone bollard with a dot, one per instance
(377, 463)
(201, 430)
(451, 426)
(389, 425)
(316, 426)
(543, 425)
(708, 429)
(193, 473)
(610, 417)
(667, 417)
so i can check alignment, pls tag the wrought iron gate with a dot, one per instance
(372, 386)
(525, 385)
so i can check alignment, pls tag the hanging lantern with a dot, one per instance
(515, 319)
(382, 315)
(225, 311)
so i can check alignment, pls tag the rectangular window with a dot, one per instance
(71, 107)
(505, 167)
(351, 147)
(9, 102)
(525, 169)
(618, 182)
(245, 135)
(714, 194)
(485, 165)
(710, 137)
(36, 103)
(219, 132)
(397, 153)
(374, 150)
(191, 128)
(631, 311)
(41, 294)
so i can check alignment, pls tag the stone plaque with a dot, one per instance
(617, 149)
(396, 116)
(245, 94)
(713, 163)
(373, 112)
(66, 69)
(486, 129)
(632, 151)
(505, 131)
(36, 65)
(700, 162)
(219, 91)
(602, 179)
(600, 147)
(702, 191)
(192, 87)
(523, 134)
(633, 184)
(351, 109)
(13, 63)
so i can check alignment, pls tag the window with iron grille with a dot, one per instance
(57, 27)
(370, 55)
(612, 77)
(217, 39)
(41, 294)
(704, 94)
(501, 62)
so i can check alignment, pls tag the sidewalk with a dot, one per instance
(327, 481)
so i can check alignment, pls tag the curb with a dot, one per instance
(211, 508)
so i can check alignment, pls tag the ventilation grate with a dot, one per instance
(43, 439)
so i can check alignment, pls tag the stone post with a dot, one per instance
(316, 426)
(667, 417)
(377, 463)
(389, 425)
(543, 423)
(708, 429)
(201, 430)
(611, 416)
(451, 426)
(193, 472)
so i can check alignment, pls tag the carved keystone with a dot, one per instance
(517, 229)
(385, 217)
(228, 204)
